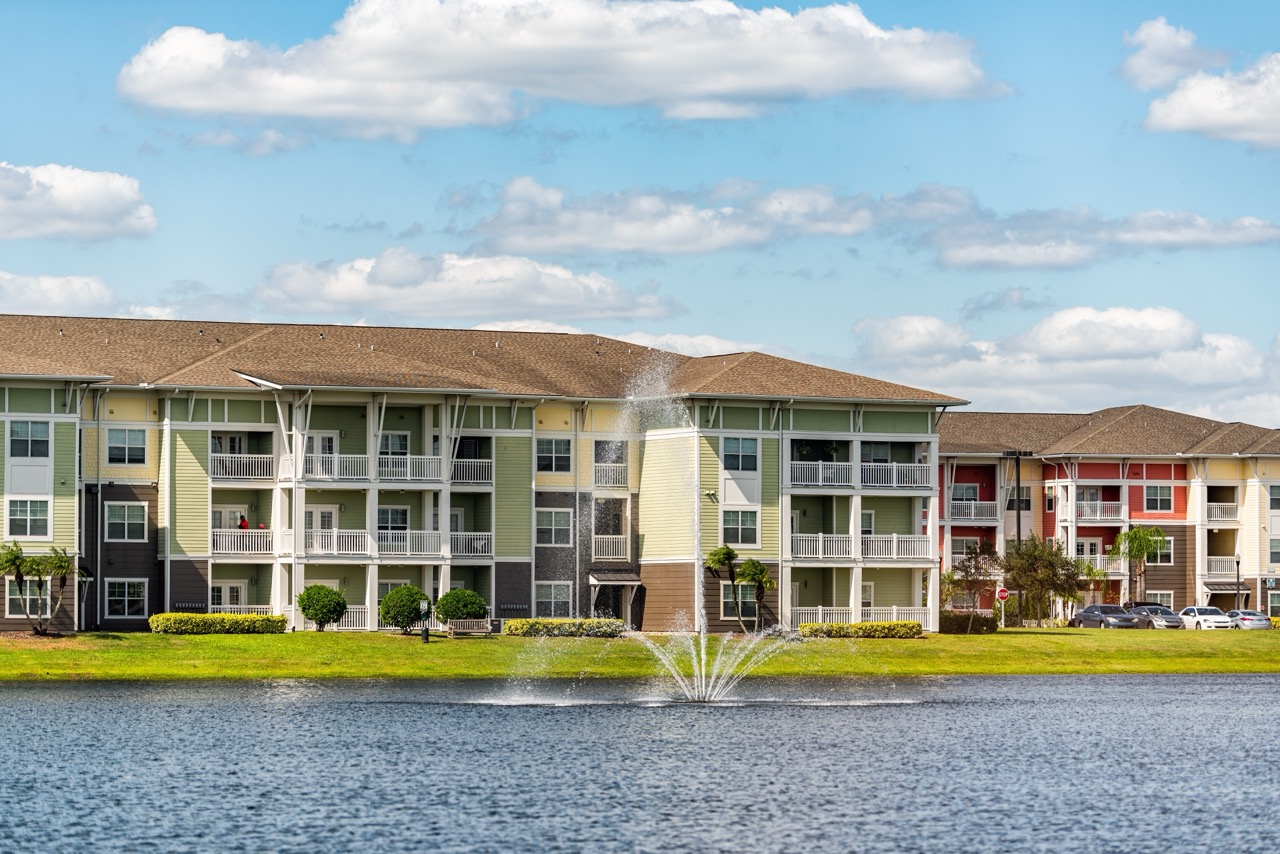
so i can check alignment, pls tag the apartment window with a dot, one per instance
(740, 527)
(554, 455)
(126, 447)
(964, 492)
(1159, 499)
(127, 522)
(1163, 554)
(37, 605)
(1163, 597)
(746, 594)
(868, 523)
(1020, 501)
(385, 587)
(127, 598)
(393, 518)
(1273, 604)
(555, 527)
(1275, 550)
(29, 438)
(1275, 498)
(28, 518)
(394, 445)
(868, 594)
(875, 452)
(961, 546)
(553, 598)
(1048, 499)
(739, 454)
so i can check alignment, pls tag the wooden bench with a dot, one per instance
(458, 628)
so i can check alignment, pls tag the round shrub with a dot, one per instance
(402, 608)
(461, 604)
(321, 605)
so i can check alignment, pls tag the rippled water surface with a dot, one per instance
(947, 764)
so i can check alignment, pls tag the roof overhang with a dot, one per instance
(1226, 587)
(625, 579)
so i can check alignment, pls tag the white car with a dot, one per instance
(1199, 617)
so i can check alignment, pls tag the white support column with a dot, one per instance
(855, 594)
(787, 532)
(299, 584)
(855, 526)
(371, 594)
(934, 597)
(278, 596)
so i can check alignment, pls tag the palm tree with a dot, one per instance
(724, 558)
(754, 572)
(1138, 545)
(46, 572)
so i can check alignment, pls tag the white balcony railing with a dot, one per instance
(609, 547)
(1102, 511)
(409, 543)
(1222, 565)
(356, 619)
(1223, 512)
(240, 466)
(899, 475)
(261, 610)
(1113, 566)
(286, 542)
(414, 468)
(820, 614)
(336, 467)
(978, 511)
(821, 474)
(821, 546)
(335, 541)
(895, 546)
(473, 471)
(923, 616)
(233, 541)
(611, 475)
(471, 545)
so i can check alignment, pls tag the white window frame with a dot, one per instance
(1273, 501)
(867, 523)
(557, 589)
(868, 454)
(724, 526)
(868, 598)
(385, 451)
(1018, 495)
(1159, 553)
(539, 527)
(388, 525)
(746, 601)
(127, 445)
(386, 585)
(1164, 597)
(1158, 497)
(47, 438)
(31, 597)
(108, 598)
(739, 453)
(231, 510)
(107, 523)
(957, 551)
(1273, 603)
(29, 537)
(1050, 499)
(1273, 548)
(223, 588)
(964, 492)
(553, 457)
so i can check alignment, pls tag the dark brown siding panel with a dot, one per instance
(714, 624)
(64, 620)
(121, 560)
(513, 590)
(1180, 576)
(666, 592)
(190, 580)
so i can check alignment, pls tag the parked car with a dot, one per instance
(1200, 617)
(1156, 617)
(1104, 617)
(1249, 620)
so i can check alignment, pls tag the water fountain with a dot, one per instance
(706, 675)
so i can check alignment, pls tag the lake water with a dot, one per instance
(942, 764)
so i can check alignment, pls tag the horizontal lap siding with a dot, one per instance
(513, 496)
(191, 492)
(667, 495)
(666, 591)
(64, 487)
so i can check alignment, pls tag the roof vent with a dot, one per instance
(321, 336)
(59, 333)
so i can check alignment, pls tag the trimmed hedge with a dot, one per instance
(217, 624)
(542, 627)
(957, 623)
(896, 629)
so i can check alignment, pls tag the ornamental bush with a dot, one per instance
(321, 605)
(905, 629)
(543, 627)
(957, 623)
(402, 608)
(461, 604)
(173, 623)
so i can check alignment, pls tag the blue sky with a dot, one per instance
(1031, 206)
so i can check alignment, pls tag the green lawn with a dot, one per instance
(370, 655)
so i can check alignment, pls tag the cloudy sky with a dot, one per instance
(1033, 206)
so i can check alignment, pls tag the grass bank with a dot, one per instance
(329, 655)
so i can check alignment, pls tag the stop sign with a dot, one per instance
(1002, 594)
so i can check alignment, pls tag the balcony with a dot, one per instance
(261, 610)
(923, 616)
(334, 541)
(233, 541)
(1222, 512)
(471, 545)
(411, 468)
(473, 471)
(336, 467)
(1112, 566)
(974, 511)
(241, 466)
(409, 543)
(895, 546)
(1100, 511)
(896, 476)
(609, 547)
(818, 546)
(821, 474)
(1222, 565)
(611, 475)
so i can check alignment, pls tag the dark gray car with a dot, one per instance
(1104, 617)
(1156, 617)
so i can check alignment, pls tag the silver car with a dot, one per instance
(1249, 620)
(1156, 617)
(1104, 617)
(1202, 617)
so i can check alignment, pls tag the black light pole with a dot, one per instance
(1017, 488)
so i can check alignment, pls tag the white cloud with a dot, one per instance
(62, 201)
(911, 338)
(1243, 107)
(690, 345)
(420, 286)
(267, 141)
(1164, 54)
(392, 67)
(1102, 333)
(73, 295)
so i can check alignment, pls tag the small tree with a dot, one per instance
(461, 604)
(321, 605)
(403, 607)
(725, 558)
(975, 575)
(44, 573)
(1138, 545)
(754, 572)
(1041, 571)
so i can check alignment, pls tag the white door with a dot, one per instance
(224, 520)
(1090, 550)
(322, 454)
(227, 596)
(321, 525)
